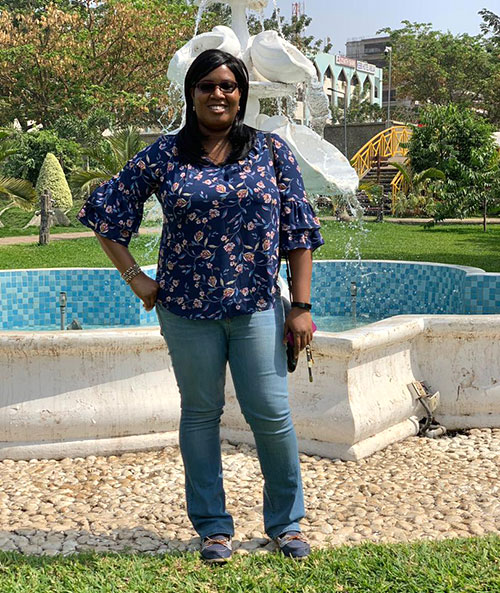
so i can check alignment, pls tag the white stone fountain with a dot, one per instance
(113, 390)
(276, 69)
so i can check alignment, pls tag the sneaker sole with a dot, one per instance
(216, 560)
(296, 558)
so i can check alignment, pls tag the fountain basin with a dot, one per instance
(75, 393)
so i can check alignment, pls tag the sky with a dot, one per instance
(363, 18)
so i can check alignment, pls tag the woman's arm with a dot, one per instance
(299, 321)
(299, 236)
(142, 285)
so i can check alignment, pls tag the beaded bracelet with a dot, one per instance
(131, 273)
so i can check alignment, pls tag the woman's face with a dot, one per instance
(216, 109)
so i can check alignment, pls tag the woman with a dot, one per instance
(230, 205)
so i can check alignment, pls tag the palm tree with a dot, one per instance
(417, 183)
(13, 192)
(419, 192)
(375, 194)
(119, 148)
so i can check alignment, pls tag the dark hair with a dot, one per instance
(241, 136)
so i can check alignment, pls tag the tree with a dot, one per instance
(489, 187)
(87, 131)
(38, 6)
(491, 26)
(18, 192)
(110, 55)
(51, 177)
(376, 197)
(31, 150)
(293, 30)
(417, 183)
(459, 143)
(420, 191)
(440, 68)
(491, 30)
(109, 158)
(359, 111)
(76, 57)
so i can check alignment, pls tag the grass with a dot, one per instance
(15, 219)
(78, 253)
(466, 245)
(19, 232)
(461, 566)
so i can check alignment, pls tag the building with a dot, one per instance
(346, 77)
(372, 49)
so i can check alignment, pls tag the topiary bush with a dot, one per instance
(52, 177)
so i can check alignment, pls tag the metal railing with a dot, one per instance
(388, 143)
(398, 184)
(385, 144)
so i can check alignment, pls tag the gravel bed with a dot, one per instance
(417, 489)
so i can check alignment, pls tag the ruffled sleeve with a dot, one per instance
(114, 210)
(299, 226)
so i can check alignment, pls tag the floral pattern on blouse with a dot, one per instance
(223, 226)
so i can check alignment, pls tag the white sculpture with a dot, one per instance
(276, 67)
(220, 37)
(325, 171)
(278, 60)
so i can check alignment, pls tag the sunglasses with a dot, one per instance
(226, 86)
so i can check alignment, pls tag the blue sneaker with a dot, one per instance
(216, 548)
(293, 545)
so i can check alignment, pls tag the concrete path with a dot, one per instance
(152, 230)
(64, 236)
(478, 221)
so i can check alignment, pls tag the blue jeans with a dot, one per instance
(200, 350)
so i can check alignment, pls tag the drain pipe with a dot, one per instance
(62, 304)
(354, 293)
(428, 426)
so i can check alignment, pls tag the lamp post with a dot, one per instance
(345, 118)
(388, 52)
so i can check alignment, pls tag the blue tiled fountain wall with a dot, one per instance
(98, 296)
(397, 288)
(95, 296)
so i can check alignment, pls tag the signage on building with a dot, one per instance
(365, 67)
(343, 61)
(356, 64)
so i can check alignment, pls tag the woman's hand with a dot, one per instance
(146, 289)
(299, 322)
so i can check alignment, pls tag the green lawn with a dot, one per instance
(14, 219)
(466, 245)
(453, 566)
(20, 232)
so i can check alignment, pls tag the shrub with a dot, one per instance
(32, 150)
(52, 177)
(458, 142)
(415, 205)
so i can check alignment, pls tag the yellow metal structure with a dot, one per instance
(388, 143)
(398, 184)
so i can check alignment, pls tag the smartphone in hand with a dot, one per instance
(290, 354)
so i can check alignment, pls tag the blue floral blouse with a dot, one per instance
(223, 226)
